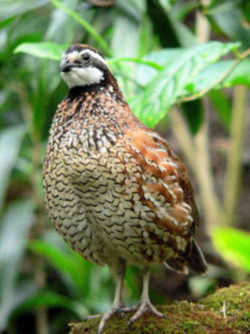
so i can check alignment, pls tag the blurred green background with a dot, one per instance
(185, 70)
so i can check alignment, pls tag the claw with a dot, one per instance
(106, 316)
(145, 307)
(93, 316)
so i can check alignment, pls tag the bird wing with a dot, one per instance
(164, 185)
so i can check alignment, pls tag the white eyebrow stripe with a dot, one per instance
(93, 55)
(71, 56)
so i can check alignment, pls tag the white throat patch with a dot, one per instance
(85, 76)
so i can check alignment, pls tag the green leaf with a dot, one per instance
(193, 112)
(87, 26)
(62, 28)
(10, 141)
(9, 8)
(146, 62)
(128, 30)
(68, 263)
(220, 75)
(167, 4)
(6, 22)
(51, 299)
(146, 37)
(14, 228)
(234, 245)
(47, 50)
(184, 34)
(168, 86)
(228, 18)
(163, 58)
(239, 76)
(222, 107)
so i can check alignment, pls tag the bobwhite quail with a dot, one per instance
(114, 188)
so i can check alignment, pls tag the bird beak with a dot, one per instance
(65, 65)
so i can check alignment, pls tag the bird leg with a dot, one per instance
(117, 304)
(145, 304)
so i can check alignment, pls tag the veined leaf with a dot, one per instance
(168, 75)
(234, 245)
(222, 74)
(47, 50)
(167, 86)
(146, 62)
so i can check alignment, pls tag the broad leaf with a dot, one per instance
(169, 75)
(168, 85)
(67, 262)
(220, 75)
(234, 245)
(6, 22)
(9, 8)
(239, 76)
(51, 299)
(62, 28)
(228, 17)
(129, 29)
(86, 25)
(47, 50)
(146, 62)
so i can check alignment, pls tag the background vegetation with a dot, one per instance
(185, 70)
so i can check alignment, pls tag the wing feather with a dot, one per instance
(164, 184)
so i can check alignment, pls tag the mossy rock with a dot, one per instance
(227, 311)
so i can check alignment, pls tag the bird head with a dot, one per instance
(82, 65)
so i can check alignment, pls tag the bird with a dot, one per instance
(113, 188)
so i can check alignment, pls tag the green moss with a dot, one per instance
(190, 325)
(236, 297)
(227, 311)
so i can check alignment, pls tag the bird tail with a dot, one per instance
(194, 261)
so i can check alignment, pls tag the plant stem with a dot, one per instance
(184, 137)
(198, 164)
(203, 170)
(196, 149)
(204, 175)
(41, 314)
(232, 184)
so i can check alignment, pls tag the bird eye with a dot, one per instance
(85, 56)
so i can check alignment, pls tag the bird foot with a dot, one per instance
(92, 316)
(145, 307)
(106, 316)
